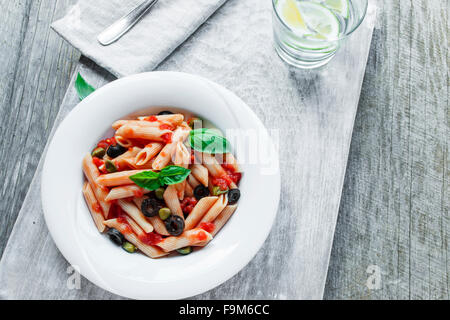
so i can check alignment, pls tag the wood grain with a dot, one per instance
(394, 212)
(35, 65)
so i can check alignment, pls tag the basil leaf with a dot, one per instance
(208, 141)
(173, 175)
(148, 180)
(83, 88)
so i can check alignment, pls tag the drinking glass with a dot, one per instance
(308, 33)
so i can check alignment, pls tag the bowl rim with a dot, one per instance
(62, 245)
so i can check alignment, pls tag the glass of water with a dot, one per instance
(308, 33)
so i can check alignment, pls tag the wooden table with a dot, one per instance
(391, 240)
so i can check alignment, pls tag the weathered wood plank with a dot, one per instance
(394, 209)
(35, 65)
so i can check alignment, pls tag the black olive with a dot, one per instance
(150, 207)
(162, 113)
(174, 225)
(233, 196)
(115, 151)
(201, 192)
(115, 236)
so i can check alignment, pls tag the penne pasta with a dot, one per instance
(194, 237)
(174, 119)
(94, 207)
(188, 191)
(200, 173)
(135, 213)
(164, 157)
(222, 218)
(132, 131)
(173, 203)
(120, 161)
(182, 158)
(151, 251)
(156, 221)
(200, 209)
(216, 209)
(117, 178)
(126, 192)
(192, 181)
(91, 172)
(131, 162)
(148, 153)
(126, 143)
(214, 168)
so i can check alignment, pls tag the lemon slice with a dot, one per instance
(320, 19)
(291, 15)
(340, 6)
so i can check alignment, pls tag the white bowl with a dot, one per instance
(135, 275)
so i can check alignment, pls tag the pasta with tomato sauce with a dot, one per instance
(160, 186)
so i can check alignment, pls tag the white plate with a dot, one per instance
(135, 275)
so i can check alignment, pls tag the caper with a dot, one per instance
(159, 193)
(164, 213)
(185, 250)
(98, 152)
(128, 247)
(110, 166)
(216, 191)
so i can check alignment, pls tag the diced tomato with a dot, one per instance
(207, 226)
(151, 238)
(188, 204)
(106, 143)
(201, 236)
(167, 137)
(151, 118)
(138, 193)
(96, 207)
(221, 183)
(236, 177)
(228, 167)
(165, 126)
(97, 161)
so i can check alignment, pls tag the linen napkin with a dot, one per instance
(168, 24)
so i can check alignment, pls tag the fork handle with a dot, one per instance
(121, 26)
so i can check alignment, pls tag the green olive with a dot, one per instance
(159, 193)
(185, 250)
(164, 213)
(128, 247)
(110, 166)
(98, 152)
(217, 191)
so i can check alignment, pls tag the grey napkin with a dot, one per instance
(168, 24)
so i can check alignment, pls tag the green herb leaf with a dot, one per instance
(151, 180)
(173, 175)
(148, 180)
(208, 141)
(83, 88)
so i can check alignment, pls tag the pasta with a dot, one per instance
(222, 218)
(146, 192)
(194, 237)
(125, 192)
(94, 207)
(182, 158)
(134, 212)
(199, 211)
(148, 153)
(200, 173)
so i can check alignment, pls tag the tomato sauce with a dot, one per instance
(96, 207)
(167, 137)
(165, 126)
(125, 228)
(201, 236)
(151, 119)
(207, 226)
(151, 238)
(106, 143)
(188, 204)
(138, 193)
